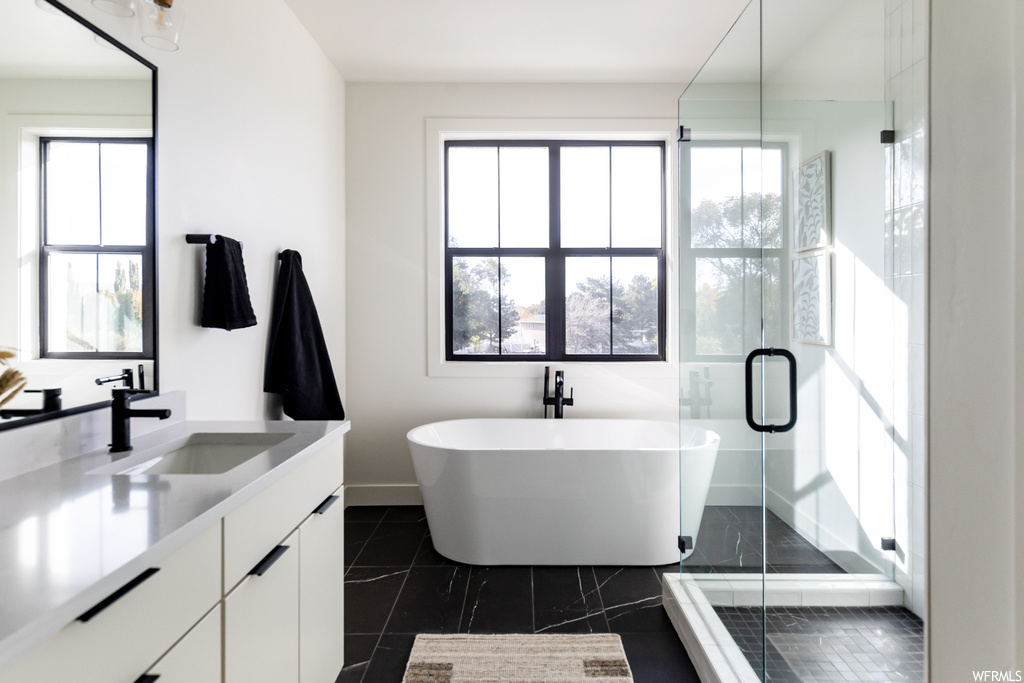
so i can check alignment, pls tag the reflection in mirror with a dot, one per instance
(77, 227)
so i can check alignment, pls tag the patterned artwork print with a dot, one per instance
(812, 216)
(811, 319)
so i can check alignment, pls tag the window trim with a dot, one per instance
(555, 255)
(688, 255)
(146, 251)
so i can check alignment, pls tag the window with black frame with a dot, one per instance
(555, 250)
(97, 251)
(733, 248)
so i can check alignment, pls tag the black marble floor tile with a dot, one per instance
(358, 651)
(389, 659)
(567, 600)
(658, 658)
(392, 544)
(370, 594)
(427, 556)
(431, 601)
(405, 513)
(730, 545)
(356, 535)
(365, 513)
(632, 599)
(499, 600)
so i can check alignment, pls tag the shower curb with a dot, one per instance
(690, 602)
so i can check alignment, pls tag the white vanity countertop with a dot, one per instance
(69, 538)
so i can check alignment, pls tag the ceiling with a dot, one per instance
(598, 41)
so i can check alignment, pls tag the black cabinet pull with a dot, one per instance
(328, 502)
(773, 429)
(147, 678)
(118, 594)
(268, 561)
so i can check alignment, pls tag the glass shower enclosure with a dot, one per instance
(789, 338)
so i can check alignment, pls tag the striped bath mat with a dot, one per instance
(547, 658)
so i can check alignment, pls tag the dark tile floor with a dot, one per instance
(830, 643)
(396, 586)
(730, 541)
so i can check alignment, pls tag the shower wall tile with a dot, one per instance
(917, 241)
(918, 309)
(918, 601)
(920, 30)
(917, 370)
(917, 531)
(906, 35)
(917, 450)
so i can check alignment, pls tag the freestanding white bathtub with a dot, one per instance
(562, 492)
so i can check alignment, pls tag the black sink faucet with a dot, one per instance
(121, 415)
(51, 403)
(126, 376)
(559, 401)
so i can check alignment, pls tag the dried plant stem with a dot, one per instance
(11, 382)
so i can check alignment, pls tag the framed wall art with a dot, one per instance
(812, 297)
(812, 226)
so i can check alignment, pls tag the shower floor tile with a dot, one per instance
(830, 643)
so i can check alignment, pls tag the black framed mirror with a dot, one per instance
(78, 262)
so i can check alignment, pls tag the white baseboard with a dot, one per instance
(383, 494)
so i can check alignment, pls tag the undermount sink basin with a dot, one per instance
(202, 453)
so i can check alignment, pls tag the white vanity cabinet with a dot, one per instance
(119, 642)
(195, 658)
(284, 614)
(322, 592)
(261, 621)
(228, 605)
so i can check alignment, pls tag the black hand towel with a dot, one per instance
(298, 366)
(226, 293)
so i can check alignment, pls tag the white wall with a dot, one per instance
(975, 481)
(388, 384)
(251, 145)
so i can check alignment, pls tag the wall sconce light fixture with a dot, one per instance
(160, 24)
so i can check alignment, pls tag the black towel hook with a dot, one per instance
(198, 238)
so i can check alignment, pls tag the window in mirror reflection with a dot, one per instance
(97, 248)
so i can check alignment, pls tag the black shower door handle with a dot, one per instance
(771, 429)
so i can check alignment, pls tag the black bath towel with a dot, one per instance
(298, 366)
(226, 293)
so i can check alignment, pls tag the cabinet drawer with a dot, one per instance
(253, 529)
(261, 623)
(121, 641)
(196, 657)
(322, 593)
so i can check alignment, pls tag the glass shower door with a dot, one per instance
(788, 331)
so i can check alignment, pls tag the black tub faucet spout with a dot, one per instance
(559, 401)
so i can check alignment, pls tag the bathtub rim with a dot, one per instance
(712, 437)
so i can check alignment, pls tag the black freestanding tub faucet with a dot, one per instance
(559, 401)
